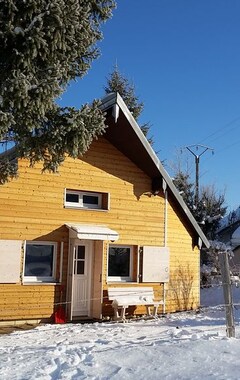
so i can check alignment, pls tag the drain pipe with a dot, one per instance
(164, 187)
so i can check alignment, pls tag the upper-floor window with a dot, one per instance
(39, 261)
(86, 199)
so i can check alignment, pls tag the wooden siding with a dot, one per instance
(32, 207)
(26, 302)
(96, 293)
(183, 291)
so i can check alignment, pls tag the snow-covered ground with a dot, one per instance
(182, 346)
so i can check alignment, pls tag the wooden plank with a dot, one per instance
(32, 207)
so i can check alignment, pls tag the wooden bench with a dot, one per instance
(123, 297)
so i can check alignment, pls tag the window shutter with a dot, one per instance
(155, 264)
(10, 260)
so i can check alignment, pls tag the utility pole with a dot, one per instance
(197, 162)
(227, 292)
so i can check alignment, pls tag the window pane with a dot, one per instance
(72, 198)
(81, 252)
(119, 262)
(39, 260)
(90, 199)
(80, 267)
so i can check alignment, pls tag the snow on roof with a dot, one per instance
(231, 218)
(235, 240)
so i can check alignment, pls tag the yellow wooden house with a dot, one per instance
(110, 219)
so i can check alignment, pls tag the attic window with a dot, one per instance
(86, 200)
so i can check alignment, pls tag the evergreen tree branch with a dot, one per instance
(44, 44)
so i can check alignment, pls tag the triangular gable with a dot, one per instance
(125, 134)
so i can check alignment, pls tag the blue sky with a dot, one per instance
(183, 56)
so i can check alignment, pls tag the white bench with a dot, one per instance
(123, 297)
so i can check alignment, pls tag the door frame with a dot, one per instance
(73, 243)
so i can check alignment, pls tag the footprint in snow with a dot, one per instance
(50, 367)
(102, 341)
(89, 360)
(141, 337)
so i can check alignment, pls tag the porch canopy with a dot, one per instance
(91, 232)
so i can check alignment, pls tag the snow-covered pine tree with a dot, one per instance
(116, 82)
(185, 188)
(44, 44)
(210, 208)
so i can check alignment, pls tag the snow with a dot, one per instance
(187, 345)
(229, 219)
(235, 240)
(18, 30)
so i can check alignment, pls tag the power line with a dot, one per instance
(228, 146)
(220, 129)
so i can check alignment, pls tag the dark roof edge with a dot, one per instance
(10, 154)
(114, 99)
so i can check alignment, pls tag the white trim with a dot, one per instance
(23, 267)
(115, 112)
(108, 202)
(72, 282)
(30, 283)
(165, 217)
(61, 262)
(138, 263)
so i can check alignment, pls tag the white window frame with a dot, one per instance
(80, 203)
(44, 279)
(120, 278)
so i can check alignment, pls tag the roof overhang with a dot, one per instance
(91, 232)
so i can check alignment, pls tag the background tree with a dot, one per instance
(210, 208)
(185, 188)
(208, 212)
(116, 82)
(44, 44)
(211, 205)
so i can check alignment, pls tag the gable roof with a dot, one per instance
(124, 133)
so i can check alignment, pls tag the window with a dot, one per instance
(86, 200)
(119, 263)
(39, 262)
(80, 260)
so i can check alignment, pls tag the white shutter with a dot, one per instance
(155, 264)
(10, 261)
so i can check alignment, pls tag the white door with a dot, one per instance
(82, 260)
